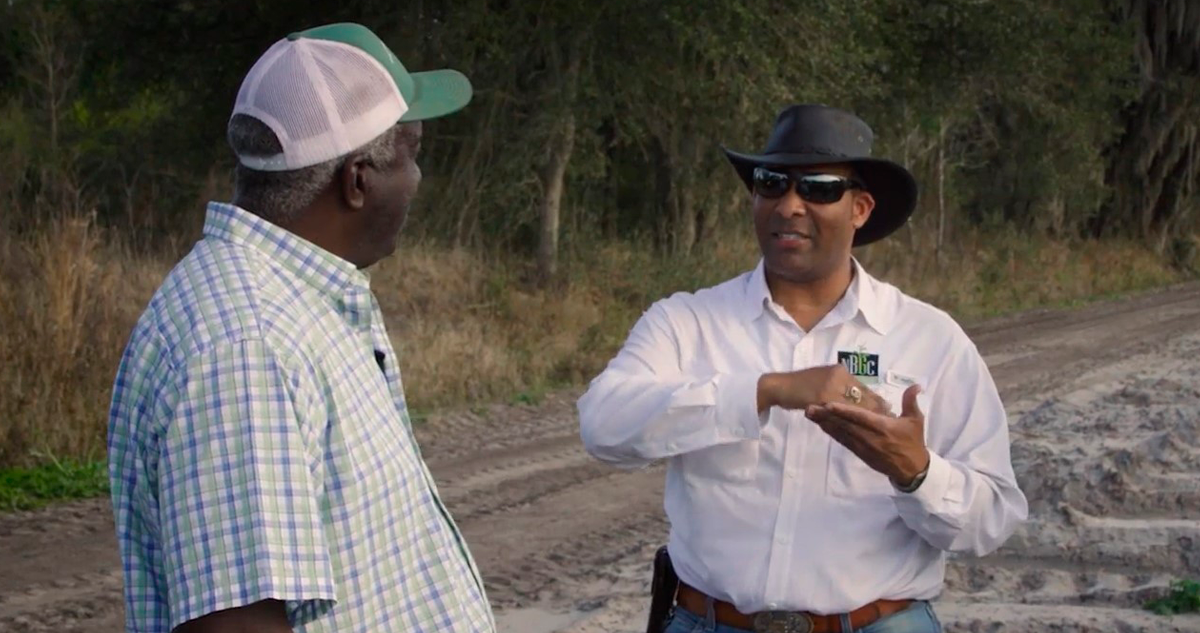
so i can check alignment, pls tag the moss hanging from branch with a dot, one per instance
(1153, 167)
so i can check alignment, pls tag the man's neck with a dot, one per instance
(313, 224)
(808, 302)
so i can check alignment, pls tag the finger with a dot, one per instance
(860, 416)
(815, 411)
(879, 404)
(849, 441)
(909, 406)
(849, 436)
(823, 413)
(841, 433)
(834, 424)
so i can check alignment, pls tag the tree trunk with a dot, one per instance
(466, 177)
(1154, 169)
(552, 173)
(941, 192)
(684, 216)
(553, 176)
(910, 226)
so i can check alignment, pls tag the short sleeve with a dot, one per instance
(240, 511)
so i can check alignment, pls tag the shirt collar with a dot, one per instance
(865, 296)
(758, 295)
(873, 301)
(327, 273)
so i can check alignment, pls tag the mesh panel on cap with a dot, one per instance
(286, 92)
(322, 99)
(354, 81)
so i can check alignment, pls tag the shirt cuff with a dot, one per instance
(931, 496)
(737, 406)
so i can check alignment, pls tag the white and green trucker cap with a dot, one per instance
(331, 89)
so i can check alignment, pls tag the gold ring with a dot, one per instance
(854, 394)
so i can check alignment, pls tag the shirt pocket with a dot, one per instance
(735, 462)
(848, 475)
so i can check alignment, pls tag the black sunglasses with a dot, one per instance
(816, 188)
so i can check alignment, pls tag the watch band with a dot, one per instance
(915, 483)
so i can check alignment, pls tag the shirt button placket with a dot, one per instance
(779, 575)
(778, 569)
(802, 356)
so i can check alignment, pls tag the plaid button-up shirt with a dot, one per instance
(260, 447)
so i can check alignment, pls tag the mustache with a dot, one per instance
(802, 230)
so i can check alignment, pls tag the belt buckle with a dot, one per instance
(782, 622)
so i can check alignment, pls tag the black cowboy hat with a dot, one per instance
(818, 135)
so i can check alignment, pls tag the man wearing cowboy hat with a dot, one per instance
(829, 437)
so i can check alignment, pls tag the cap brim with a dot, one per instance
(438, 93)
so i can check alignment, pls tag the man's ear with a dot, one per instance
(353, 180)
(864, 203)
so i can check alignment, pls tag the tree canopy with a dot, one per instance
(604, 120)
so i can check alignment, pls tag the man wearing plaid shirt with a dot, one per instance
(264, 472)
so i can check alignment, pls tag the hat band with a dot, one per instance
(811, 149)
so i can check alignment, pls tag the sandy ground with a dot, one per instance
(1105, 411)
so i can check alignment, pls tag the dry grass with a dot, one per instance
(68, 300)
(466, 326)
(989, 275)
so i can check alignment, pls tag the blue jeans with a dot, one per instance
(917, 618)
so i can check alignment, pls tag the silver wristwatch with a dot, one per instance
(915, 483)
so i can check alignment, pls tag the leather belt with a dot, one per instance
(786, 621)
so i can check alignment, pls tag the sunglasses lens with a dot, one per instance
(769, 184)
(821, 188)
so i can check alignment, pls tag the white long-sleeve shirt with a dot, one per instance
(768, 512)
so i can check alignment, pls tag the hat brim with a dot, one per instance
(438, 93)
(892, 186)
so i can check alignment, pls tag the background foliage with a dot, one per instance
(1055, 142)
(1075, 117)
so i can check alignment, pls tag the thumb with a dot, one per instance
(909, 406)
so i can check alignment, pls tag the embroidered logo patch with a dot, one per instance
(861, 365)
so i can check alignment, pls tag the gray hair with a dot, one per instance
(279, 196)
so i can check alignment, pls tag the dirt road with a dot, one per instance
(1105, 412)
